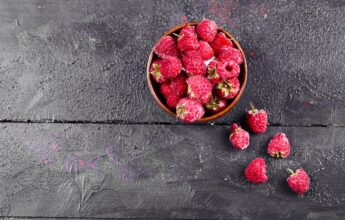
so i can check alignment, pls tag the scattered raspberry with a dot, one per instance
(228, 88)
(227, 53)
(187, 39)
(165, 89)
(256, 171)
(212, 74)
(155, 71)
(205, 50)
(166, 46)
(239, 138)
(298, 181)
(220, 41)
(170, 67)
(215, 105)
(199, 88)
(189, 110)
(257, 120)
(172, 100)
(227, 70)
(207, 30)
(279, 146)
(193, 63)
(179, 85)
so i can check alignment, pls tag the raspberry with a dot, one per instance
(187, 39)
(193, 63)
(227, 70)
(298, 181)
(165, 89)
(155, 71)
(170, 67)
(239, 138)
(256, 171)
(228, 88)
(166, 46)
(227, 53)
(220, 41)
(212, 74)
(279, 146)
(189, 110)
(172, 100)
(199, 88)
(215, 105)
(257, 120)
(205, 50)
(207, 30)
(179, 85)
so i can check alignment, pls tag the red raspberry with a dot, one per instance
(199, 88)
(212, 74)
(170, 67)
(227, 70)
(165, 89)
(220, 41)
(256, 171)
(193, 63)
(205, 50)
(227, 53)
(279, 146)
(228, 88)
(172, 100)
(207, 30)
(257, 120)
(189, 110)
(155, 71)
(187, 39)
(298, 181)
(215, 105)
(166, 46)
(179, 85)
(239, 138)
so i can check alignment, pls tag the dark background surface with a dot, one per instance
(81, 136)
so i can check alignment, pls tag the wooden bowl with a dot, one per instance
(154, 86)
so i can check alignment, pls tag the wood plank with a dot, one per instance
(85, 60)
(163, 171)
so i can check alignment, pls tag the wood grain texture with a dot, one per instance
(85, 60)
(163, 171)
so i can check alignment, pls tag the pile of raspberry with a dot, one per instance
(197, 69)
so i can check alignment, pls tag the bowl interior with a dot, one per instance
(154, 86)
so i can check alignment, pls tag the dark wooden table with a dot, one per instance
(81, 136)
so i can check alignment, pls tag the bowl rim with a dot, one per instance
(232, 103)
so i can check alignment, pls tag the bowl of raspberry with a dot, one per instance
(197, 71)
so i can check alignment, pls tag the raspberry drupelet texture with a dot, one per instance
(239, 138)
(279, 146)
(165, 89)
(170, 67)
(227, 53)
(228, 88)
(212, 73)
(166, 46)
(172, 100)
(155, 71)
(298, 181)
(215, 105)
(205, 50)
(220, 41)
(257, 120)
(199, 88)
(187, 39)
(207, 30)
(189, 110)
(227, 70)
(256, 171)
(179, 85)
(193, 63)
